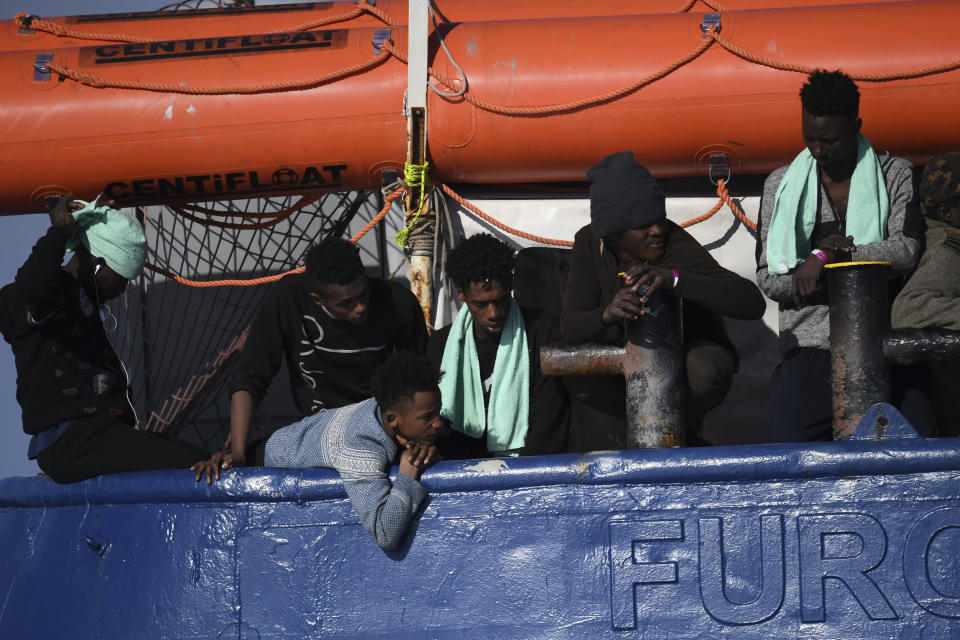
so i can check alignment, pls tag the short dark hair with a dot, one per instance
(397, 380)
(830, 93)
(478, 258)
(333, 261)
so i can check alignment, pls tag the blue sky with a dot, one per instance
(18, 233)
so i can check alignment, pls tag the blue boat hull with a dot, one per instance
(855, 539)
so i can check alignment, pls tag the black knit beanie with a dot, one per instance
(623, 195)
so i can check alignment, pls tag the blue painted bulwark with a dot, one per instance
(854, 539)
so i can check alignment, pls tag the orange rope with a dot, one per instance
(657, 75)
(722, 192)
(686, 6)
(707, 215)
(514, 232)
(23, 21)
(713, 4)
(388, 201)
(322, 22)
(730, 202)
(725, 199)
(380, 13)
(800, 68)
(98, 82)
(361, 7)
(220, 283)
(567, 106)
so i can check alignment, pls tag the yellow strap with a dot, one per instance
(415, 175)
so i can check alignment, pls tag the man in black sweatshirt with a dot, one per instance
(628, 243)
(71, 385)
(334, 326)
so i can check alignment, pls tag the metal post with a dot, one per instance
(859, 320)
(651, 361)
(581, 360)
(420, 240)
(909, 346)
(653, 366)
(418, 31)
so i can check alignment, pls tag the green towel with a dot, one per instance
(508, 418)
(795, 208)
(109, 234)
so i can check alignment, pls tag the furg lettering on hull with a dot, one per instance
(745, 566)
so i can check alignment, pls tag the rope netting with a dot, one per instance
(180, 343)
(438, 204)
(233, 282)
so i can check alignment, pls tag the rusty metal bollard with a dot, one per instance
(652, 363)
(859, 322)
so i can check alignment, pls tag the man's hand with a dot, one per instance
(229, 459)
(416, 457)
(627, 304)
(805, 279)
(652, 276)
(837, 244)
(219, 460)
(60, 213)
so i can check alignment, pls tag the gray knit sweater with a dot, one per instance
(809, 325)
(351, 440)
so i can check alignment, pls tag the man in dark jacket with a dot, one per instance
(931, 299)
(334, 326)
(71, 385)
(629, 243)
(496, 399)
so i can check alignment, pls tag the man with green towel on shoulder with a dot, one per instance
(71, 385)
(837, 199)
(494, 396)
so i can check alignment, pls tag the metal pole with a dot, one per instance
(420, 240)
(859, 320)
(909, 346)
(652, 362)
(581, 360)
(654, 368)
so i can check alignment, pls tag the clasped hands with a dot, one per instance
(628, 302)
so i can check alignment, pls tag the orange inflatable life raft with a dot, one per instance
(201, 23)
(141, 146)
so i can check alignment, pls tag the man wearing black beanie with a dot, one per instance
(629, 233)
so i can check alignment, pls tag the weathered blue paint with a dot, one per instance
(855, 539)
